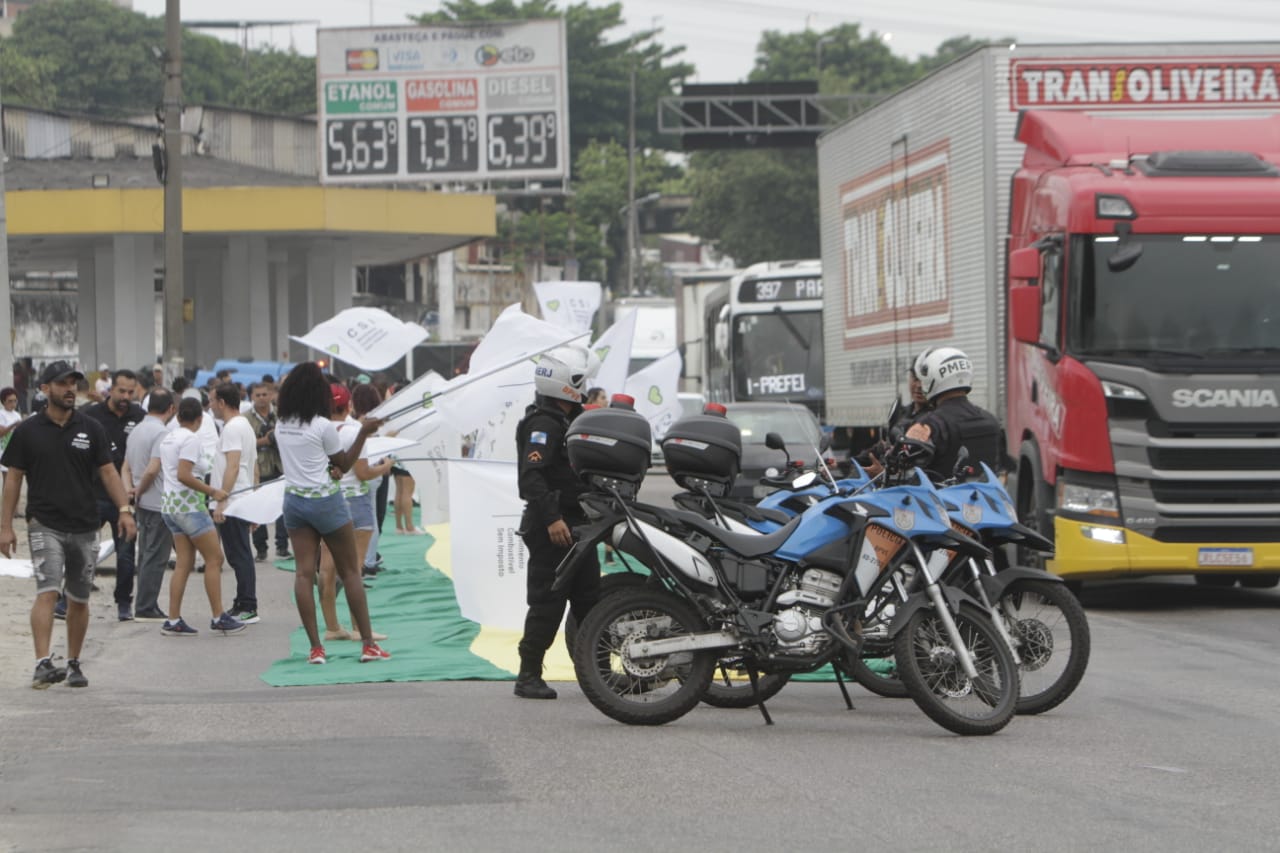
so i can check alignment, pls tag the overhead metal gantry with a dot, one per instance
(755, 115)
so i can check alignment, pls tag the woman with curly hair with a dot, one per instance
(315, 510)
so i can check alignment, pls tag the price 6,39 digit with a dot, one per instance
(521, 141)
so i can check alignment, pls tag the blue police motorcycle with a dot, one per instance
(781, 603)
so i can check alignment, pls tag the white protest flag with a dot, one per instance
(613, 348)
(516, 333)
(472, 400)
(488, 556)
(262, 505)
(369, 338)
(570, 305)
(406, 417)
(439, 441)
(655, 389)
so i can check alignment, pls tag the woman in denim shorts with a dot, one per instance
(184, 508)
(355, 489)
(314, 509)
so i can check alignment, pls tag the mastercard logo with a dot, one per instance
(362, 59)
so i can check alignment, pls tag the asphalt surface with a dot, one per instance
(1171, 743)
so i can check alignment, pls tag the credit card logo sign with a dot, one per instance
(362, 59)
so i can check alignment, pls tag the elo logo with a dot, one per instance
(489, 54)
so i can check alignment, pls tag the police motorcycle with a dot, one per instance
(783, 602)
(1041, 620)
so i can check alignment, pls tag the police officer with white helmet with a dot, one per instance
(946, 376)
(550, 490)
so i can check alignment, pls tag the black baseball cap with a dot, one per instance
(58, 370)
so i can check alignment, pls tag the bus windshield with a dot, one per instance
(778, 356)
(1187, 297)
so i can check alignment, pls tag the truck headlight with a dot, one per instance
(1088, 494)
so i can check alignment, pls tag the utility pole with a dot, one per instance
(632, 226)
(6, 299)
(174, 345)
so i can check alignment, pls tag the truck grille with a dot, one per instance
(1215, 492)
(1212, 458)
(1197, 482)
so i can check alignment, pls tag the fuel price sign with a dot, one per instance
(443, 103)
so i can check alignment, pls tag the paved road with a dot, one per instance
(1171, 743)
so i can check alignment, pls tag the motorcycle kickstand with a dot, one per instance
(755, 691)
(848, 703)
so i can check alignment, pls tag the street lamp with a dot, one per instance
(821, 42)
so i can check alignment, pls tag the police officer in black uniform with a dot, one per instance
(550, 490)
(946, 375)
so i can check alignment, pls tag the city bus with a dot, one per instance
(764, 336)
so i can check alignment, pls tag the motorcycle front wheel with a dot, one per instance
(1052, 634)
(641, 691)
(937, 682)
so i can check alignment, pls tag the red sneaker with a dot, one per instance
(317, 655)
(372, 651)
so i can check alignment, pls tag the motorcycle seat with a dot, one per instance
(743, 544)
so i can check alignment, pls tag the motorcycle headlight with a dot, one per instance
(1088, 494)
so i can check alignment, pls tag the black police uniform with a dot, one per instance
(954, 423)
(550, 490)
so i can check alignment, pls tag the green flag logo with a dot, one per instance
(333, 348)
(655, 396)
(603, 353)
(554, 304)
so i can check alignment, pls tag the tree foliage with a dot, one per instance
(105, 60)
(24, 79)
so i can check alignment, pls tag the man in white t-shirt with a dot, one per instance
(235, 468)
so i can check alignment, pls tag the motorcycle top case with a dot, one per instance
(611, 442)
(705, 447)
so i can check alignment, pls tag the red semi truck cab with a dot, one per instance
(1143, 403)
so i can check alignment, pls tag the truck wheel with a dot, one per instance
(1035, 505)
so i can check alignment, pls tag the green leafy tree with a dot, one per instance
(102, 59)
(276, 81)
(24, 79)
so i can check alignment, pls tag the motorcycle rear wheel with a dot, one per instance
(1052, 633)
(937, 682)
(641, 691)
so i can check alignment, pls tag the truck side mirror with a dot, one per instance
(1024, 313)
(1024, 264)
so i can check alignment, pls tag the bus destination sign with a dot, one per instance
(780, 289)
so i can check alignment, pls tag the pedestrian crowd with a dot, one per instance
(160, 464)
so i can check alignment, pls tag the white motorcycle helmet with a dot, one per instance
(942, 369)
(563, 373)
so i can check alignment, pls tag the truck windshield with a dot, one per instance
(1187, 297)
(778, 356)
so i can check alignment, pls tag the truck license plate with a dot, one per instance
(1226, 556)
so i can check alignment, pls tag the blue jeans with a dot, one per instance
(234, 533)
(323, 515)
(108, 513)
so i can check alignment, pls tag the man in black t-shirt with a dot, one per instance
(118, 414)
(59, 451)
